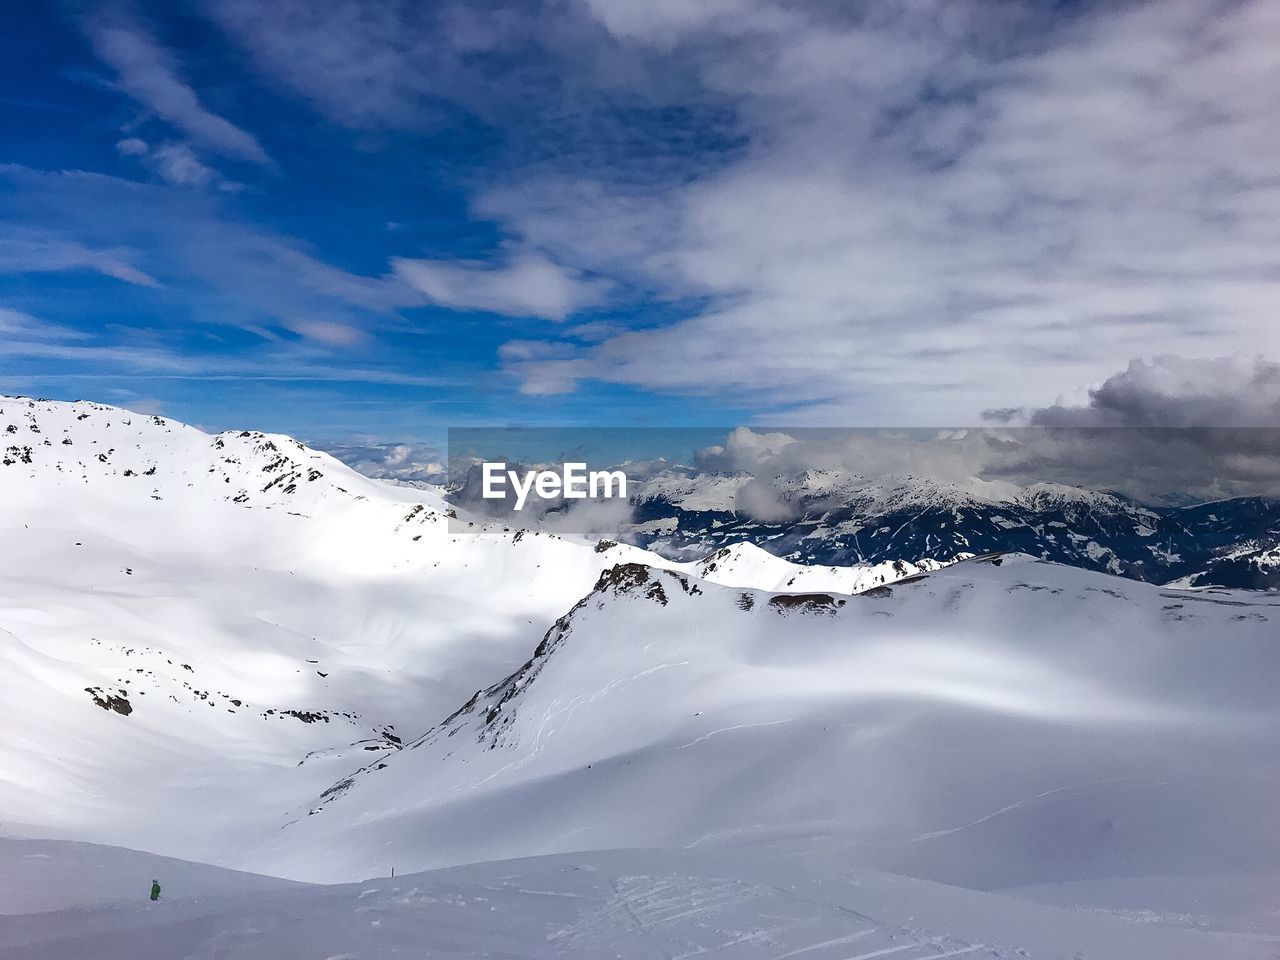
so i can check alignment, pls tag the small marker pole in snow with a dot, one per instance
(393, 873)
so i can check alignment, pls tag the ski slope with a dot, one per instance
(634, 904)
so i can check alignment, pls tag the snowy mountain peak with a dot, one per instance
(1056, 496)
(90, 443)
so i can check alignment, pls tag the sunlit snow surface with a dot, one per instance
(234, 650)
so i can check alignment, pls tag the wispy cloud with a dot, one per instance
(16, 325)
(64, 354)
(33, 250)
(64, 220)
(150, 74)
(328, 332)
(526, 285)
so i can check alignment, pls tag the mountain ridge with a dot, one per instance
(908, 518)
(236, 619)
(1038, 667)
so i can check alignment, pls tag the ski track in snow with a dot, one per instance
(1030, 800)
(729, 729)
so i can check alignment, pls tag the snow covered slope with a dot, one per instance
(42, 876)
(747, 565)
(209, 628)
(633, 904)
(998, 723)
(184, 618)
(235, 650)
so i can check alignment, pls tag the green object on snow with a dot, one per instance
(155, 889)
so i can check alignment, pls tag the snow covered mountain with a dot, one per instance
(825, 517)
(999, 723)
(234, 650)
(1252, 565)
(219, 624)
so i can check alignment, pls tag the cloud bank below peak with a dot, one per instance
(1169, 429)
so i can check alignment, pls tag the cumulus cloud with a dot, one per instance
(743, 449)
(1171, 391)
(409, 462)
(870, 213)
(1204, 428)
(941, 206)
(948, 455)
(1150, 465)
(527, 285)
(1169, 429)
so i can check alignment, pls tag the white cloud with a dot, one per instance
(64, 220)
(393, 461)
(178, 164)
(527, 285)
(1170, 391)
(38, 252)
(132, 147)
(18, 325)
(175, 162)
(941, 209)
(1165, 429)
(148, 73)
(909, 211)
(744, 449)
(328, 332)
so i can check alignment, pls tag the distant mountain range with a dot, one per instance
(839, 519)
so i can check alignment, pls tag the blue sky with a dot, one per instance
(182, 234)
(357, 220)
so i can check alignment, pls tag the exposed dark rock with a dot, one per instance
(118, 703)
(806, 602)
